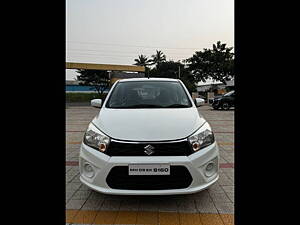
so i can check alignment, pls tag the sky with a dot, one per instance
(117, 31)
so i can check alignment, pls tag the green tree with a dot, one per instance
(142, 60)
(97, 79)
(216, 63)
(170, 69)
(158, 58)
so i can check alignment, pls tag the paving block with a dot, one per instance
(206, 206)
(83, 187)
(230, 196)
(202, 196)
(211, 219)
(149, 205)
(71, 177)
(73, 186)
(216, 188)
(150, 218)
(85, 217)
(228, 188)
(111, 205)
(168, 206)
(81, 195)
(228, 219)
(187, 206)
(97, 195)
(168, 218)
(129, 205)
(225, 207)
(93, 204)
(70, 214)
(219, 197)
(189, 219)
(75, 204)
(126, 217)
(225, 180)
(76, 179)
(105, 217)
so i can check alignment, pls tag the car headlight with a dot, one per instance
(94, 138)
(202, 138)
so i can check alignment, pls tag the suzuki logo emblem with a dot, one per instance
(149, 149)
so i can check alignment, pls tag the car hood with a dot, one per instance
(148, 124)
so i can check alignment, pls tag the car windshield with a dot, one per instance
(229, 93)
(148, 94)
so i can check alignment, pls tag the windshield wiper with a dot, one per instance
(177, 106)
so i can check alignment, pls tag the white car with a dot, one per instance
(148, 139)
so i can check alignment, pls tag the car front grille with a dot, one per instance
(179, 178)
(179, 148)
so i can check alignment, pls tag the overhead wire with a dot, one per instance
(126, 45)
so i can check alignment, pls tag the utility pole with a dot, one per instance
(179, 72)
(146, 72)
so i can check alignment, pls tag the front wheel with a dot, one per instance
(225, 105)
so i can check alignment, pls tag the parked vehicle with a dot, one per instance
(203, 97)
(225, 101)
(148, 139)
(211, 100)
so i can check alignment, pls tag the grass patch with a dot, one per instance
(83, 97)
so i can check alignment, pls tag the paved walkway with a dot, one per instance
(212, 206)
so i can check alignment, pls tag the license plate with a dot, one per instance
(149, 169)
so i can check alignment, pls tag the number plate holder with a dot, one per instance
(148, 169)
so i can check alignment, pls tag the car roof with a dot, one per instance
(147, 79)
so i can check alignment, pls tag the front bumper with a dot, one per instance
(102, 164)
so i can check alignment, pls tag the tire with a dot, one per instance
(215, 107)
(225, 106)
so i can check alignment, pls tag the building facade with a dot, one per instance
(74, 86)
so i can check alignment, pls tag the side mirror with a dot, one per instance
(199, 101)
(96, 103)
